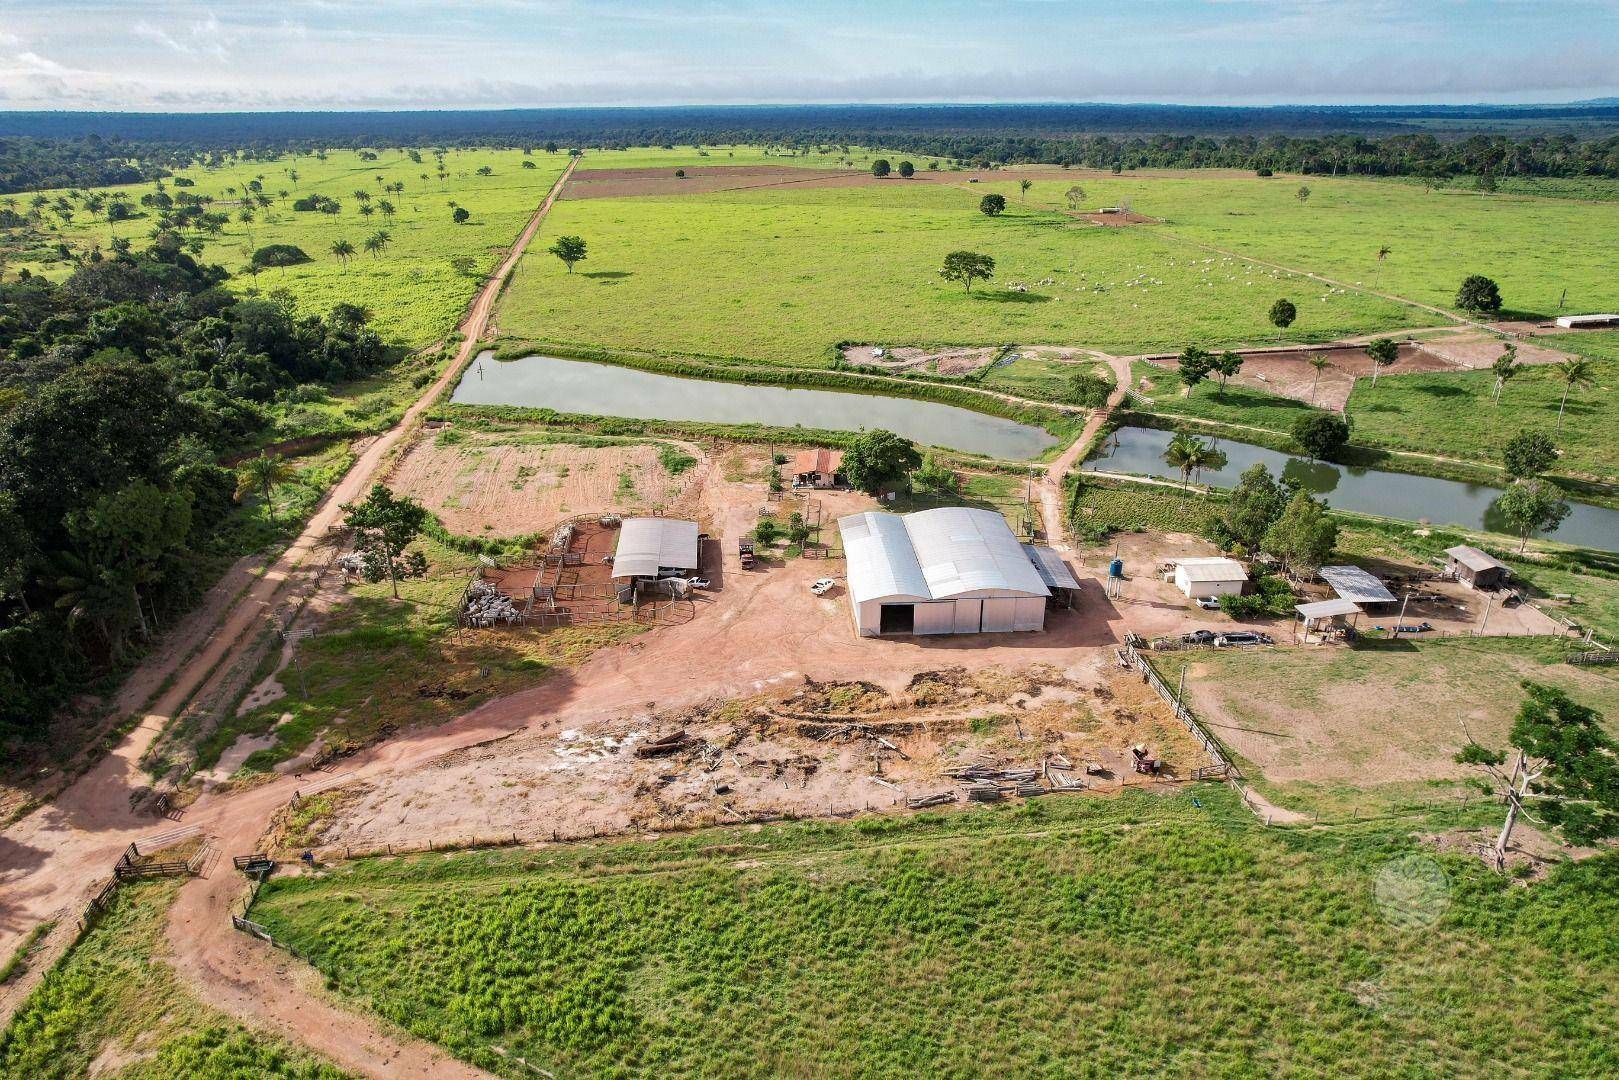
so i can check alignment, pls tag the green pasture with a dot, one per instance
(414, 287)
(783, 275)
(1141, 936)
(675, 157)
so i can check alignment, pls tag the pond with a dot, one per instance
(1368, 491)
(576, 386)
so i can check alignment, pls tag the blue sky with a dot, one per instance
(309, 54)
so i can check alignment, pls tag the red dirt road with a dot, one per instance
(51, 859)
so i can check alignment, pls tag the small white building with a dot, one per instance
(653, 547)
(1215, 576)
(1586, 322)
(954, 570)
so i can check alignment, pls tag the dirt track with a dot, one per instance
(50, 860)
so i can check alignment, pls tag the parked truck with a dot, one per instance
(744, 548)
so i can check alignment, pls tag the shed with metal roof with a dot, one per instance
(1476, 568)
(651, 547)
(1356, 584)
(1210, 576)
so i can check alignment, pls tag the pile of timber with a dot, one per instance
(918, 802)
(672, 743)
(992, 774)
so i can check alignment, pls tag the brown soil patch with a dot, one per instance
(1288, 372)
(482, 486)
(703, 179)
(904, 358)
(1122, 217)
(1480, 350)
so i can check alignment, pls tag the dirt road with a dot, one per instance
(1051, 483)
(50, 859)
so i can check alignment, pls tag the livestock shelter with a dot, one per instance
(1473, 567)
(953, 570)
(1055, 573)
(1326, 617)
(1214, 576)
(650, 548)
(1356, 585)
(818, 469)
(1587, 322)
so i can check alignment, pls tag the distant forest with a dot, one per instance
(61, 149)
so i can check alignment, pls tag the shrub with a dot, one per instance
(280, 255)
(1320, 434)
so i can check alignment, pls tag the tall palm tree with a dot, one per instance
(1383, 252)
(344, 251)
(1320, 362)
(377, 242)
(1023, 187)
(1575, 371)
(1505, 367)
(262, 474)
(1186, 453)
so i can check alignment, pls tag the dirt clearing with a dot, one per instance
(703, 179)
(957, 361)
(489, 485)
(1288, 372)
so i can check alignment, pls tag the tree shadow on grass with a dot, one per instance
(610, 275)
(1011, 296)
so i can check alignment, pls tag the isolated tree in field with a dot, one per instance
(1479, 295)
(1195, 365)
(1505, 367)
(461, 215)
(967, 266)
(344, 251)
(1532, 506)
(1320, 362)
(1282, 313)
(880, 167)
(1023, 187)
(387, 208)
(570, 249)
(907, 170)
(384, 525)
(485, 170)
(1320, 434)
(1075, 196)
(1383, 252)
(262, 474)
(878, 457)
(362, 195)
(1303, 193)
(529, 165)
(1226, 365)
(1383, 352)
(992, 205)
(377, 243)
(1566, 767)
(281, 255)
(1528, 454)
(1575, 371)
(1303, 536)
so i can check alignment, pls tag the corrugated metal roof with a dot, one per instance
(935, 555)
(1474, 559)
(1353, 583)
(646, 545)
(1213, 569)
(1049, 565)
(1323, 608)
(881, 561)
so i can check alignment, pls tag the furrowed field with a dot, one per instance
(783, 274)
(417, 287)
(1143, 936)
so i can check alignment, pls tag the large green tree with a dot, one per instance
(1530, 507)
(570, 249)
(1320, 434)
(878, 457)
(1303, 536)
(1252, 507)
(1528, 454)
(967, 266)
(1479, 295)
(384, 525)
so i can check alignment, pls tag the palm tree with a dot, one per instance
(1023, 187)
(1320, 362)
(1183, 452)
(377, 242)
(1505, 367)
(386, 207)
(1575, 371)
(344, 251)
(262, 474)
(1383, 252)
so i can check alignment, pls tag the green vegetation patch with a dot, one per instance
(1141, 936)
(115, 1002)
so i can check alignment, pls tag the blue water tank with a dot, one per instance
(1115, 568)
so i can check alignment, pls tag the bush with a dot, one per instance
(1086, 390)
(1320, 434)
(280, 255)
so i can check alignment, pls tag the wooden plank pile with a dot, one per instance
(663, 746)
(939, 798)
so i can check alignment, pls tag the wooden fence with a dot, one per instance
(1596, 656)
(1221, 767)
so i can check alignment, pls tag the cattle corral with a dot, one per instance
(1288, 372)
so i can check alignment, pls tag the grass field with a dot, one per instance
(782, 275)
(113, 1006)
(415, 287)
(1339, 729)
(1140, 936)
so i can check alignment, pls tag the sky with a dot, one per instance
(186, 56)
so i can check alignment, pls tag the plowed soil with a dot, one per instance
(485, 487)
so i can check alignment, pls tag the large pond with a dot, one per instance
(574, 386)
(1368, 491)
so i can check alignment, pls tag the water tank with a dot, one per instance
(1115, 568)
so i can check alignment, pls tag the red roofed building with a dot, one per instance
(818, 469)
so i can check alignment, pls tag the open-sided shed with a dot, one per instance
(954, 570)
(1355, 584)
(1473, 567)
(653, 547)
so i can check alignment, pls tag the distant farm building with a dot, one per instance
(818, 469)
(954, 570)
(1473, 567)
(1356, 585)
(1586, 322)
(1214, 576)
(653, 548)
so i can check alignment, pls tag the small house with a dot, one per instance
(1473, 567)
(818, 469)
(1219, 576)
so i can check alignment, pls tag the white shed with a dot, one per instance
(655, 547)
(954, 570)
(1210, 577)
